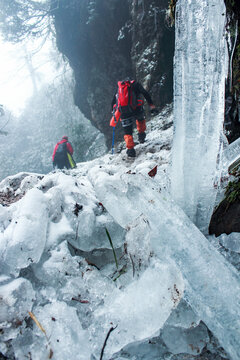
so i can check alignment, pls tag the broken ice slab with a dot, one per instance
(189, 341)
(184, 332)
(183, 316)
(231, 241)
(78, 215)
(140, 309)
(16, 299)
(212, 285)
(65, 338)
(23, 241)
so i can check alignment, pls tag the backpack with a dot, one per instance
(126, 97)
(61, 154)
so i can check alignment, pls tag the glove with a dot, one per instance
(113, 121)
(153, 109)
(115, 118)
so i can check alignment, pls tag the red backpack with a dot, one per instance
(126, 96)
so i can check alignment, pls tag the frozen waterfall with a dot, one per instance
(199, 80)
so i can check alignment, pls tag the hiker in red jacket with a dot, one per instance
(60, 156)
(128, 103)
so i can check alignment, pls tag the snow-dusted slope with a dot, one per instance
(57, 263)
(77, 298)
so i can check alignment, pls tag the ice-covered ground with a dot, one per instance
(63, 287)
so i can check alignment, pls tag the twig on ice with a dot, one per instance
(105, 342)
(132, 264)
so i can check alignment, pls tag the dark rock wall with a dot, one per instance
(225, 218)
(107, 40)
(153, 48)
(232, 93)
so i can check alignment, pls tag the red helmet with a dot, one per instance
(65, 137)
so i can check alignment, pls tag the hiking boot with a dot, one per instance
(141, 137)
(131, 152)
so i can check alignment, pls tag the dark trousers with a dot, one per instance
(127, 124)
(128, 121)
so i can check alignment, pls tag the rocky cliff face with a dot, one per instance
(232, 93)
(107, 40)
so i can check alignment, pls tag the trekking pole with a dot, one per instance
(113, 140)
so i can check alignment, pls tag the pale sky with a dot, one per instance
(16, 85)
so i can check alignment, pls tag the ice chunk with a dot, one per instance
(5, 217)
(138, 243)
(212, 285)
(117, 203)
(16, 299)
(55, 198)
(183, 316)
(58, 232)
(200, 68)
(25, 237)
(231, 241)
(84, 213)
(91, 230)
(231, 153)
(72, 279)
(150, 349)
(57, 269)
(140, 309)
(65, 337)
(226, 247)
(190, 341)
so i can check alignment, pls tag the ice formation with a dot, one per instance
(199, 81)
(231, 241)
(231, 153)
(64, 284)
(20, 244)
(212, 285)
(53, 217)
(67, 276)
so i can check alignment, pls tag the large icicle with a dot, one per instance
(199, 81)
(211, 283)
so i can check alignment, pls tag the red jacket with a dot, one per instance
(69, 148)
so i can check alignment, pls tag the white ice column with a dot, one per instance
(200, 68)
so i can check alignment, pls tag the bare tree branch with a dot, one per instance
(20, 19)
